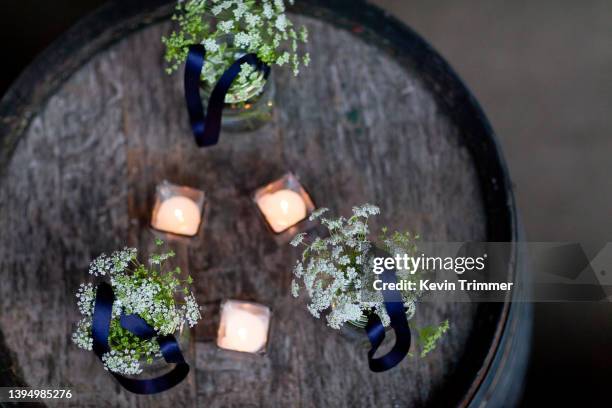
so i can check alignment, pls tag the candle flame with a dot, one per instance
(178, 213)
(242, 333)
(284, 206)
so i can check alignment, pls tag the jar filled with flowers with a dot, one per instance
(161, 296)
(229, 29)
(335, 274)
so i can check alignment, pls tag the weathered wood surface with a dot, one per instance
(81, 182)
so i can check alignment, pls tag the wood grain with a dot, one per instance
(355, 126)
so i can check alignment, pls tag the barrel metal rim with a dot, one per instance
(93, 34)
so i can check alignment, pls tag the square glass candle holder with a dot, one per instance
(285, 206)
(178, 210)
(243, 326)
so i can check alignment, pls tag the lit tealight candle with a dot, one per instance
(282, 209)
(243, 327)
(178, 215)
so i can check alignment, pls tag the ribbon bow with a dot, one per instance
(168, 345)
(206, 128)
(394, 304)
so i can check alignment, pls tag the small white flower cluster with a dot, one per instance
(114, 264)
(82, 335)
(148, 293)
(123, 362)
(191, 310)
(331, 270)
(241, 26)
(86, 296)
(366, 210)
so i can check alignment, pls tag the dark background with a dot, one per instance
(542, 71)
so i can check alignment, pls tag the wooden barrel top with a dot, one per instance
(91, 128)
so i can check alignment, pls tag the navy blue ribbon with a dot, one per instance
(206, 128)
(394, 304)
(100, 330)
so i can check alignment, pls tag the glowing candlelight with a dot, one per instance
(178, 210)
(282, 209)
(284, 204)
(178, 215)
(243, 327)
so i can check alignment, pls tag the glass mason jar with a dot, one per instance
(247, 107)
(355, 330)
(159, 366)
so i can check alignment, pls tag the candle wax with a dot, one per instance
(178, 215)
(244, 331)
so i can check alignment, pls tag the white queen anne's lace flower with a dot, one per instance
(280, 5)
(124, 363)
(252, 20)
(226, 26)
(82, 335)
(241, 8)
(295, 288)
(230, 28)
(114, 264)
(210, 45)
(333, 270)
(191, 310)
(298, 239)
(86, 296)
(143, 290)
(281, 23)
(268, 11)
(100, 266)
(317, 213)
(242, 40)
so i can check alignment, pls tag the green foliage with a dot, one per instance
(429, 336)
(121, 339)
(193, 30)
(399, 242)
(229, 28)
